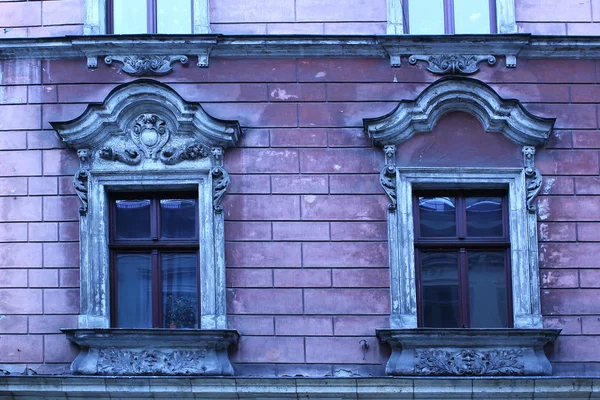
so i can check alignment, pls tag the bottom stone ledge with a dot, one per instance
(154, 352)
(468, 352)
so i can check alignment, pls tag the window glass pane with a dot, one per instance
(426, 17)
(133, 219)
(174, 16)
(178, 218)
(487, 289)
(179, 287)
(134, 290)
(484, 216)
(439, 280)
(437, 216)
(471, 16)
(130, 16)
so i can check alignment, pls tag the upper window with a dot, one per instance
(462, 259)
(149, 16)
(154, 261)
(438, 17)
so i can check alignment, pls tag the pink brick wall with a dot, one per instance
(557, 17)
(306, 231)
(40, 18)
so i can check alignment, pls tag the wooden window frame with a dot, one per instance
(151, 16)
(154, 245)
(462, 243)
(449, 21)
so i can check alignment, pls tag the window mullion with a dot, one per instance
(449, 17)
(156, 290)
(463, 296)
(151, 16)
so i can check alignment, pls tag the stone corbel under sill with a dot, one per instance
(468, 352)
(117, 351)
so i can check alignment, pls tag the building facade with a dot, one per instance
(299, 199)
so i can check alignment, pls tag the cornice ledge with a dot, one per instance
(451, 93)
(348, 46)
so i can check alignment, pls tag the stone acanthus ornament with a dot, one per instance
(80, 183)
(127, 156)
(452, 64)
(147, 65)
(171, 156)
(387, 177)
(149, 132)
(151, 362)
(469, 362)
(533, 177)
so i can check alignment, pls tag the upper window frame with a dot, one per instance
(505, 17)
(97, 12)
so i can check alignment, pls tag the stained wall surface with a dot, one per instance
(306, 230)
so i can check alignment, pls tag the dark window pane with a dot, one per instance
(134, 290)
(133, 219)
(484, 216)
(174, 16)
(471, 16)
(178, 218)
(439, 280)
(487, 289)
(437, 216)
(426, 17)
(180, 290)
(129, 16)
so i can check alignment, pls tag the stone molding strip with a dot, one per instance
(374, 388)
(265, 46)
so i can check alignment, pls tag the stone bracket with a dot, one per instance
(387, 177)
(468, 352)
(170, 352)
(533, 177)
(147, 65)
(453, 64)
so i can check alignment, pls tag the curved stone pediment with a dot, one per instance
(146, 119)
(496, 114)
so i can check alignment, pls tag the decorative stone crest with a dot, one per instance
(452, 64)
(387, 177)
(469, 362)
(147, 65)
(150, 134)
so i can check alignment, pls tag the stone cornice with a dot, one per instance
(257, 46)
(293, 388)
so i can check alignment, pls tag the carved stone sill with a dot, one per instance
(460, 352)
(152, 351)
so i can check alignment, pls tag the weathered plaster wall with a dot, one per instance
(305, 227)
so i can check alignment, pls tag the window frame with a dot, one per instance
(97, 14)
(461, 243)
(449, 20)
(504, 10)
(154, 245)
(522, 233)
(151, 16)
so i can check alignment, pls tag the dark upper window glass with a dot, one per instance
(438, 17)
(154, 260)
(149, 16)
(462, 252)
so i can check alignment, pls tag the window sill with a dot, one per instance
(117, 351)
(459, 352)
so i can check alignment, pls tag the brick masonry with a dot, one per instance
(306, 230)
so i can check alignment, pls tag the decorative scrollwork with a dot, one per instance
(221, 183)
(80, 183)
(533, 177)
(193, 151)
(129, 157)
(469, 362)
(147, 65)
(151, 362)
(452, 64)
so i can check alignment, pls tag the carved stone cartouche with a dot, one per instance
(452, 64)
(146, 65)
